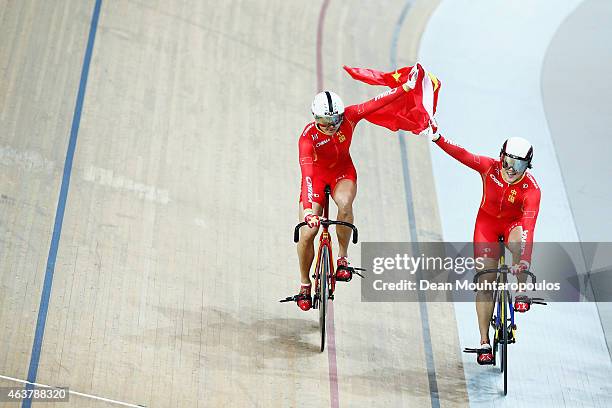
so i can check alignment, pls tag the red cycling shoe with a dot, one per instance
(485, 354)
(304, 300)
(522, 303)
(343, 274)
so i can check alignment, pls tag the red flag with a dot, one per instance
(411, 112)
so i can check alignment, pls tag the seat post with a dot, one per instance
(326, 208)
(502, 256)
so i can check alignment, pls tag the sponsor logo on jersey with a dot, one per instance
(322, 142)
(524, 236)
(529, 214)
(305, 160)
(382, 95)
(530, 177)
(496, 180)
(360, 109)
(307, 129)
(309, 189)
(450, 142)
(511, 196)
(341, 137)
(315, 137)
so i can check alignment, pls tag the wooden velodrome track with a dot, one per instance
(149, 183)
(175, 243)
(176, 236)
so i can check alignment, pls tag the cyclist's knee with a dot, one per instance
(485, 289)
(515, 235)
(345, 208)
(345, 215)
(515, 248)
(344, 204)
(485, 295)
(514, 240)
(307, 234)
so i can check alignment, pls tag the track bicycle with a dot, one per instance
(324, 274)
(502, 320)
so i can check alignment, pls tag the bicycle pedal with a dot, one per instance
(293, 298)
(352, 269)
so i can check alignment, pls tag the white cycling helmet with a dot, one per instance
(328, 110)
(517, 154)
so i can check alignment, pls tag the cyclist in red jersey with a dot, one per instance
(509, 208)
(325, 159)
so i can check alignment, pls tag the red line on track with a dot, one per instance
(330, 332)
(331, 358)
(320, 45)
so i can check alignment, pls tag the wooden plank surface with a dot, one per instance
(176, 242)
(40, 62)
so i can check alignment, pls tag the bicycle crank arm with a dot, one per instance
(293, 298)
(353, 269)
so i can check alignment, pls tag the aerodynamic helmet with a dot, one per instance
(516, 153)
(328, 110)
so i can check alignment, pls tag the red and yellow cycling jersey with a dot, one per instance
(503, 206)
(325, 159)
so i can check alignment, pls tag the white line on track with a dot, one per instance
(80, 394)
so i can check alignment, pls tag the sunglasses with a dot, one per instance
(328, 121)
(517, 165)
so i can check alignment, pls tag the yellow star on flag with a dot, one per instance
(396, 76)
(434, 80)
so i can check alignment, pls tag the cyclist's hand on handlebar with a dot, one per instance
(519, 268)
(311, 219)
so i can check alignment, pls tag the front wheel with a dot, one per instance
(324, 294)
(505, 345)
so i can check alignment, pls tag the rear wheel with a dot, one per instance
(496, 332)
(495, 344)
(505, 344)
(324, 295)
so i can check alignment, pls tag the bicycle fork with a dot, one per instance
(324, 242)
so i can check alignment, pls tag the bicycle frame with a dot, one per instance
(325, 241)
(503, 317)
(502, 297)
(324, 262)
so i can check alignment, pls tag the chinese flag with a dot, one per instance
(411, 112)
